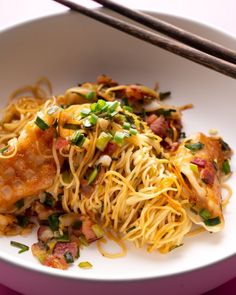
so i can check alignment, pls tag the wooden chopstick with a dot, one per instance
(172, 31)
(171, 45)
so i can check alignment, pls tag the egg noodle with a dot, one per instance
(135, 193)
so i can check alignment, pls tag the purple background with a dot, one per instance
(227, 288)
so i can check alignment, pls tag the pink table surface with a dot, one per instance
(227, 288)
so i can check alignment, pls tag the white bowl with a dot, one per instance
(69, 48)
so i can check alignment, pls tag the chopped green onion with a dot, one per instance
(133, 131)
(41, 124)
(23, 221)
(92, 176)
(78, 139)
(205, 214)
(67, 176)
(52, 110)
(126, 125)
(87, 123)
(83, 240)
(53, 221)
(212, 221)
(101, 104)
(85, 113)
(194, 146)
(165, 113)
(63, 238)
(68, 257)
(20, 203)
(226, 167)
(22, 247)
(78, 253)
(112, 106)
(98, 231)
(49, 200)
(71, 126)
(119, 137)
(193, 167)
(93, 119)
(182, 135)
(91, 95)
(85, 265)
(130, 229)
(103, 140)
(224, 145)
(5, 148)
(164, 95)
(128, 108)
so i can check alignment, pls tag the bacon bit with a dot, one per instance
(207, 174)
(61, 248)
(199, 162)
(86, 189)
(110, 149)
(88, 231)
(160, 127)
(61, 143)
(150, 119)
(174, 146)
(55, 262)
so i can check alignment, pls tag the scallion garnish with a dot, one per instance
(103, 140)
(128, 108)
(49, 200)
(193, 167)
(85, 265)
(205, 214)
(194, 146)
(164, 95)
(224, 145)
(93, 175)
(119, 137)
(71, 126)
(23, 221)
(126, 125)
(87, 123)
(22, 247)
(19, 203)
(85, 113)
(91, 95)
(98, 231)
(53, 221)
(78, 139)
(63, 238)
(165, 113)
(226, 167)
(68, 257)
(212, 221)
(5, 148)
(41, 124)
(130, 229)
(93, 119)
(133, 131)
(52, 110)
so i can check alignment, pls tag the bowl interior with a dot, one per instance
(69, 48)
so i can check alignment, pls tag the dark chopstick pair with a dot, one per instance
(188, 45)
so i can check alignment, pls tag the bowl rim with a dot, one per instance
(56, 273)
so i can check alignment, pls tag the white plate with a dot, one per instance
(69, 48)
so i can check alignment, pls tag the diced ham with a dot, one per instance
(88, 231)
(110, 149)
(86, 189)
(150, 119)
(160, 127)
(55, 262)
(199, 162)
(61, 143)
(44, 233)
(61, 248)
